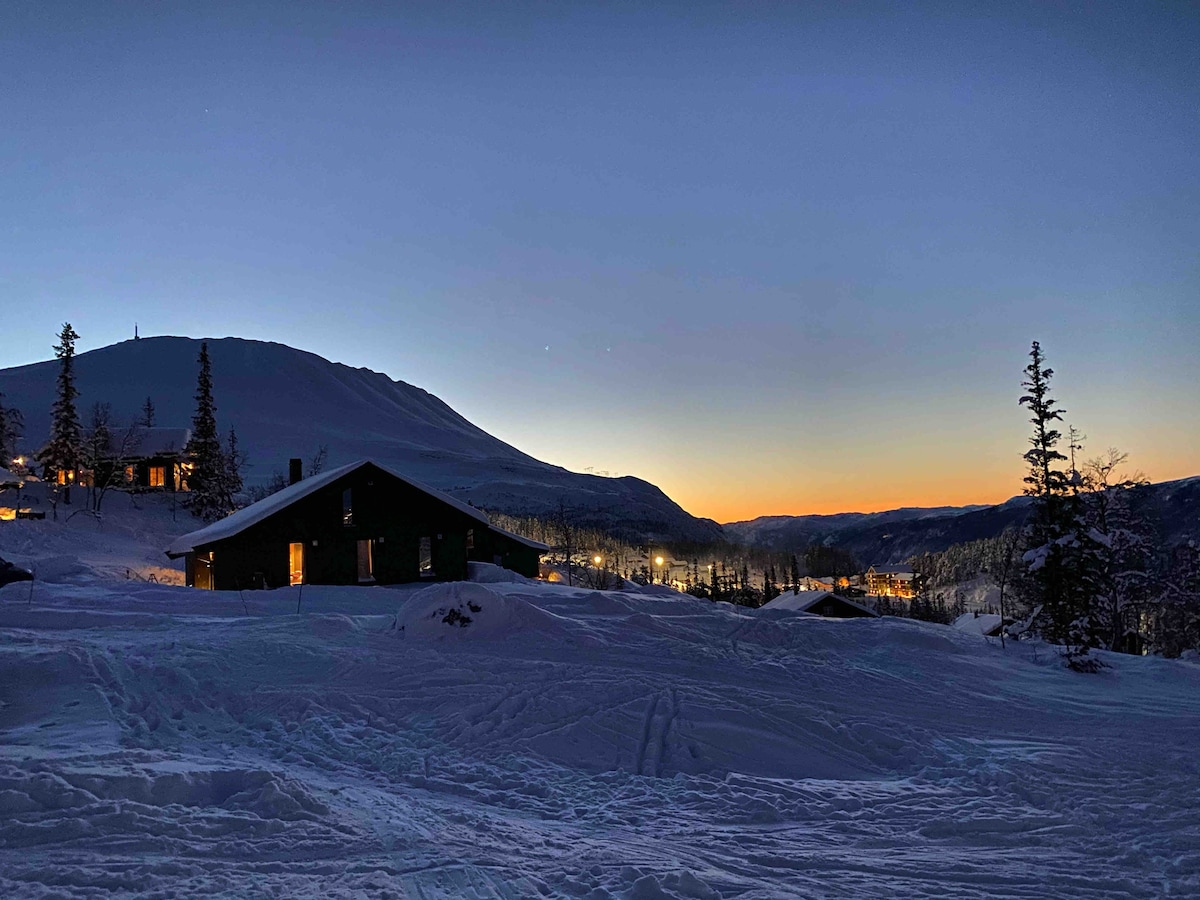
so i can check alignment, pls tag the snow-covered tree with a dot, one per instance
(1175, 626)
(64, 451)
(11, 423)
(1054, 587)
(1118, 556)
(208, 482)
(235, 458)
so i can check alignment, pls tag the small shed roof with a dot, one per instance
(520, 539)
(804, 601)
(256, 512)
(7, 477)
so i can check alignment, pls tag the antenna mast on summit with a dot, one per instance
(135, 334)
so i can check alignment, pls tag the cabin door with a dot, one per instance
(202, 575)
(296, 563)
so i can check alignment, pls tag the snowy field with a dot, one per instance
(161, 742)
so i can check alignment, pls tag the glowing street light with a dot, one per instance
(597, 559)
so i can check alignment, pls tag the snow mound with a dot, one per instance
(486, 573)
(61, 570)
(464, 610)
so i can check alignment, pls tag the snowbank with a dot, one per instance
(468, 611)
(487, 573)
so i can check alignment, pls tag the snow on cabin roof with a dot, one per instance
(806, 600)
(892, 570)
(520, 539)
(7, 477)
(256, 512)
(161, 441)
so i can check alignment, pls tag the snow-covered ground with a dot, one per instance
(158, 741)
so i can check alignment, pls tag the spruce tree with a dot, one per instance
(148, 414)
(11, 422)
(1056, 587)
(209, 477)
(234, 458)
(64, 451)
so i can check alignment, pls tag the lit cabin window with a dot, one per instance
(347, 508)
(296, 562)
(426, 554)
(156, 476)
(129, 474)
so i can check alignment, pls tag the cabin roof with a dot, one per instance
(155, 441)
(239, 521)
(7, 477)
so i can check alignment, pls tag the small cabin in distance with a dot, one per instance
(821, 603)
(158, 459)
(361, 523)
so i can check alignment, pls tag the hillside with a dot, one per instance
(1171, 507)
(286, 402)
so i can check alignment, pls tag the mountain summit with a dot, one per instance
(286, 402)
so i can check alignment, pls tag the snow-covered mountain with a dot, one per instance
(286, 402)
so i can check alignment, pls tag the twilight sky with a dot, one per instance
(775, 258)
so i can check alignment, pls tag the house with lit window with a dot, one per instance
(156, 458)
(362, 523)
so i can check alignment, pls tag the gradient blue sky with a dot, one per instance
(776, 258)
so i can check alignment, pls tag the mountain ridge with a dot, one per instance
(890, 537)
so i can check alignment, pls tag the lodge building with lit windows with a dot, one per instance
(892, 581)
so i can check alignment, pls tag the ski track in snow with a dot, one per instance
(160, 742)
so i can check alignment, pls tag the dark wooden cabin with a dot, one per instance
(359, 524)
(157, 459)
(503, 548)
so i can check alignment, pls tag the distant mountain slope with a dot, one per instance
(780, 532)
(286, 402)
(1171, 507)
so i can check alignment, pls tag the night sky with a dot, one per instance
(775, 258)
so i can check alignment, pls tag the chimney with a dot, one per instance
(295, 470)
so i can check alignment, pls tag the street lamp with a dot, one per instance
(658, 561)
(597, 560)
